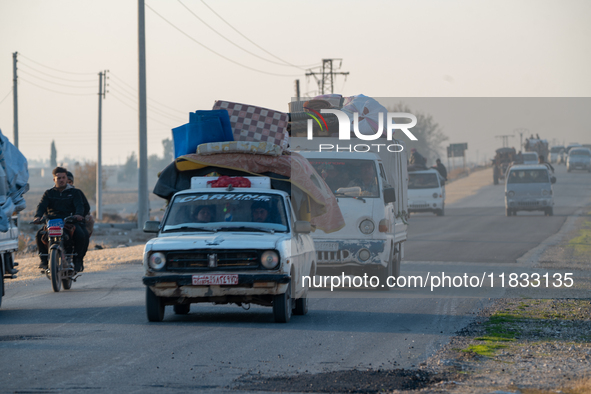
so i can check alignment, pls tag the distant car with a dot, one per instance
(426, 192)
(572, 145)
(530, 158)
(529, 188)
(557, 154)
(579, 159)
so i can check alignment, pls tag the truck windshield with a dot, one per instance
(530, 157)
(580, 152)
(528, 176)
(422, 181)
(348, 177)
(226, 211)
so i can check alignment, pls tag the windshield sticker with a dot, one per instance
(224, 197)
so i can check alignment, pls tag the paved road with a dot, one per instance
(96, 337)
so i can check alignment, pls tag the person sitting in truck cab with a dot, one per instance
(262, 213)
(366, 179)
(204, 214)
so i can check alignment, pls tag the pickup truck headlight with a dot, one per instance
(270, 259)
(367, 226)
(157, 261)
(435, 195)
(544, 192)
(511, 194)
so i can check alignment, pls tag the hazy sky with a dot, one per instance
(390, 48)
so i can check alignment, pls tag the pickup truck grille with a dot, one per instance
(212, 260)
(336, 256)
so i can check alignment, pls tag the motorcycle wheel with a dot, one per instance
(54, 267)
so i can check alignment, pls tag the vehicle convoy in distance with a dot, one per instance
(503, 158)
(529, 188)
(239, 245)
(579, 159)
(426, 192)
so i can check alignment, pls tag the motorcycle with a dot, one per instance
(60, 253)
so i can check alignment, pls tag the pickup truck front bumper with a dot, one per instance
(180, 285)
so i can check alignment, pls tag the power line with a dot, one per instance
(57, 83)
(55, 91)
(156, 110)
(283, 63)
(149, 99)
(5, 97)
(53, 76)
(132, 96)
(216, 53)
(55, 69)
(254, 43)
(136, 110)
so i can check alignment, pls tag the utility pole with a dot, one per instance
(15, 98)
(143, 212)
(327, 75)
(99, 161)
(505, 139)
(521, 131)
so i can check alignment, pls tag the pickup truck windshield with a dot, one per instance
(220, 211)
(580, 152)
(355, 178)
(528, 176)
(422, 181)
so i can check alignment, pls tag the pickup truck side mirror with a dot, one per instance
(389, 195)
(302, 227)
(151, 226)
(553, 179)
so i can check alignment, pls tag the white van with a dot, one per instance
(426, 192)
(371, 193)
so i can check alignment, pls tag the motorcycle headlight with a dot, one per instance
(511, 194)
(367, 226)
(270, 259)
(156, 261)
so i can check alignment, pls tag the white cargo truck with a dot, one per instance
(371, 190)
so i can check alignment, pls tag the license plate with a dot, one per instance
(326, 246)
(215, 280)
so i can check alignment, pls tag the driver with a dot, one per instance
(60, 202)
(260, 212)
(366, 179)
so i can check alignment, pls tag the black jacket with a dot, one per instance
(84, 200)
(59, 205)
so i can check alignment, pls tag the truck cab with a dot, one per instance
(228, 245)
(368, 242)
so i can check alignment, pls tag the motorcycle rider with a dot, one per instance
(87, 216)
(60, 202)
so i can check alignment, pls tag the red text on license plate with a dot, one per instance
(215, 280)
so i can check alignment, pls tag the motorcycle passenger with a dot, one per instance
(87, 216)
(60, 202)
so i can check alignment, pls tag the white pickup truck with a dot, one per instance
(229, 245)
(371, 189)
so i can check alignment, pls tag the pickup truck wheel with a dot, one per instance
(441, 212)
(550, 211)
(182, 309)
(154, 306)
(509, 212)
(282, 306)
